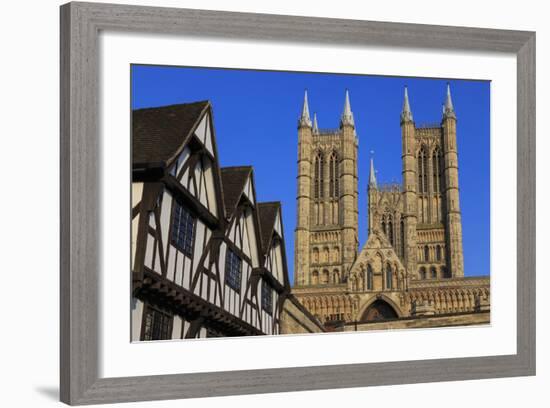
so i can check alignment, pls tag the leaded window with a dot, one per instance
(157, 324)
(183, 229)
(267, 297)
(233, 267)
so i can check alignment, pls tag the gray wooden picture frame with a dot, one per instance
(80, 192)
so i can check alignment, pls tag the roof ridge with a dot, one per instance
(270, 203)
(247, 167)
(205, 101)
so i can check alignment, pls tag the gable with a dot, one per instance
(377, 251)
(204, 133)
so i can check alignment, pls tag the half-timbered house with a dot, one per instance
(208, 260)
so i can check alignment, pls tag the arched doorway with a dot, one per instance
(379, 310)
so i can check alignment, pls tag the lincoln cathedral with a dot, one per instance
(410, 272)
(209, 259)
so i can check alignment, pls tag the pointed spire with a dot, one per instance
(347, 115)
(315, 125)
(372, 175)
(406, 114)
(449, 111)
(304, 118)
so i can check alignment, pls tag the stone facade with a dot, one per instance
(412, 264)
(296, 319)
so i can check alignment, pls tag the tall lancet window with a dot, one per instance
(318, 179)
(436, 162)
(422, 162)
(334, 176)
(370, 277)
(389, 277)
(402, 230)
(390, 232)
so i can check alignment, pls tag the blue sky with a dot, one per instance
(255, 118)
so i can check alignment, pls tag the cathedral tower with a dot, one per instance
(454, 223)
(305, 141)
(326, 233)
(409, 215)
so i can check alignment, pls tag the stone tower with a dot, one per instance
(452, 203)
(408, 143)
(431, 210)
(326, 232)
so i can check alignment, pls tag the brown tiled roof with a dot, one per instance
(233, 181)
(159, 133)
(267, 213)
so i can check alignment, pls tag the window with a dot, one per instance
(433, 273)
(402, 227)
(333, 170)
(436, 162)
(422, 162)
(438, 253)
(390, 232)
(319, 175)
(157, 324)
(426, 253)
(267, 297)
(233, 270)
(183, 228)
(389, 277)
(369, 277)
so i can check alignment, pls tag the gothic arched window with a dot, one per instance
(422, 162)
(389, 277)
(426, 253)
(436, 163)
(334, 177)
(319, 165)
(370, 277)
(402, 227)
(390, 232)
(438, 252)
(433, 273)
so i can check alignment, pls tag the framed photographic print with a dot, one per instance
(310, 203)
